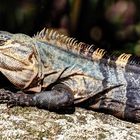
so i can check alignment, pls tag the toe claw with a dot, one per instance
(5, 96)
(10, 105)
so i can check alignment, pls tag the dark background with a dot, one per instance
(111, 24)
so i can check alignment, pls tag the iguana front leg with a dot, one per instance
(59, 97)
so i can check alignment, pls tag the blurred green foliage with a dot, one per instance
(111, 24)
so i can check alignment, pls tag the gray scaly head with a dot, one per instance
(18, 61)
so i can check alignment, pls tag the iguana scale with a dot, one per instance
(56, 72)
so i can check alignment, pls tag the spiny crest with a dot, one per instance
(123, 59)
(57, 39)
(68, 43)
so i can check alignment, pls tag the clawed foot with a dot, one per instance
(6, 97)
(15, 99)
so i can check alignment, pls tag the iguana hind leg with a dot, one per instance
(60, 97)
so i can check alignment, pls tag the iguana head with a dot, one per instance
(18, 59)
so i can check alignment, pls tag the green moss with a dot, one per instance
(101, 136)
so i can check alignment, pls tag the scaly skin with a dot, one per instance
(54, 72)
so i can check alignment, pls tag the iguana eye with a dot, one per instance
(2, 42)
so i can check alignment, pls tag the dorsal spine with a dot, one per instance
(70, 44)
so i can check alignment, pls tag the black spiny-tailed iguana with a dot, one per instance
(55, 72)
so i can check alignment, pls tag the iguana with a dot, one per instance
(56, 72)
